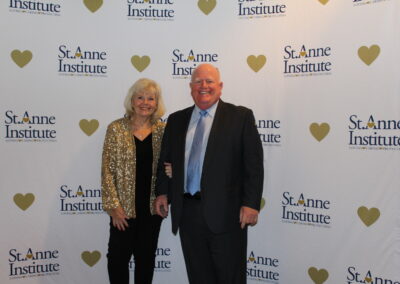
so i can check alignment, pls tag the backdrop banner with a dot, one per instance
(322, 77)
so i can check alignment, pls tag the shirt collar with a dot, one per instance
(210, 111)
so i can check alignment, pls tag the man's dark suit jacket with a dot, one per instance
(233, 169)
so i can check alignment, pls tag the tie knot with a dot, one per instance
(203, 113)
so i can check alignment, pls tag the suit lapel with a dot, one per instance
(185, 124)
(180, 140)
(216, 129)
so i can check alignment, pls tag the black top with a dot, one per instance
(144, 164)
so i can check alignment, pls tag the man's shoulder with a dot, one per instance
(118, 123)
(180, 113)
(234, 108)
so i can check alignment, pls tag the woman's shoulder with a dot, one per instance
(159, 124)
(118, 123)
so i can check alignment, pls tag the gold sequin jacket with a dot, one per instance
(118, 169)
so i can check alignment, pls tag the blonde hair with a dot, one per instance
(145, 85)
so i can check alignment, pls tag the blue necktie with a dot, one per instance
(193, 168)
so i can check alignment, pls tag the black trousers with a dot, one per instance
(140, 240)
(211, 258)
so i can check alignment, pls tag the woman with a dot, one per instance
(130, 154)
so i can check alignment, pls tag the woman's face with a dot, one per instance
(144, 104)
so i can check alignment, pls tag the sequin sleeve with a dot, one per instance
(108, 167)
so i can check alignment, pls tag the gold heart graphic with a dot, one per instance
(79, 193)
(368, 279)
(318, 276)
(323, 2)
(262, 203)
(319, 131)
(91, 258)
(140, 63)
(256, 63)
(89, 127)
(368, 55)
(303, 53)
(371, 124)
(24, 201)
(301, 201)
(191, 58)
(93, 5)
(29, 256)
(252, 259)
(206, 6)
(25, 119)
(21, 58)
(368, 216)
(78, 54)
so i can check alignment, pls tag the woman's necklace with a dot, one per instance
(141, 131)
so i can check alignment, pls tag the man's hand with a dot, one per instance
(119, 218)
(168, 169)
(248, 216)
(161, 205)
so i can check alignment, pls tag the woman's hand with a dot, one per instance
(168, 169)
(119, 218)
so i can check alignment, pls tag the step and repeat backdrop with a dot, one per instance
(322, 77)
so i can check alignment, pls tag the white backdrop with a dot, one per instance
(322, 78)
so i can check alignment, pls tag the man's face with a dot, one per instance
(205, 86)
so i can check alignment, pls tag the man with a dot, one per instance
(217, 180)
